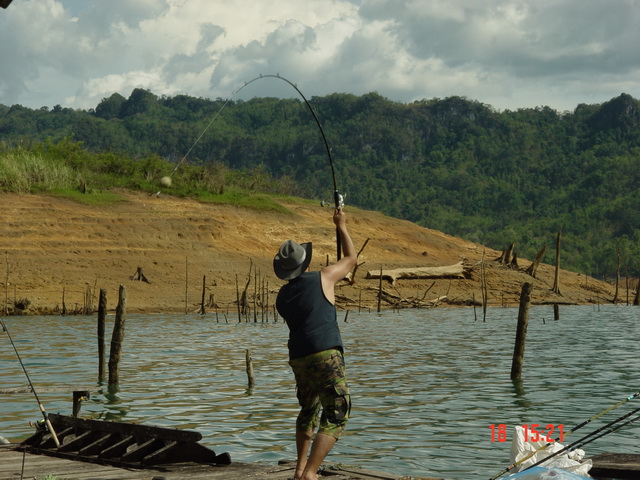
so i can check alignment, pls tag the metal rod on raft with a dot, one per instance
(44, 412)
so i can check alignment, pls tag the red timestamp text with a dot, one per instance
(534, 432)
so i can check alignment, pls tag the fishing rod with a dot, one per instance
(574, 429)
(611, 430)
(44, 412)
(586, 439)
(337, 197)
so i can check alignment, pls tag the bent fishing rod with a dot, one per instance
(337, 197)
(574, 429)
(47, 422)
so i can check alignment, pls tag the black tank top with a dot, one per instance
(311, 318)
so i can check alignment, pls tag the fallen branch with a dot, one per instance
(398, 301)
(351, 276)
(458, 270)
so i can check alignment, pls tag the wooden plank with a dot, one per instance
(362, 474)
(95, 447)
(118, 448)
(616, 465)
(39, 466)
(77, 443)
(144, 431)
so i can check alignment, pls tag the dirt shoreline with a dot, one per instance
(54, 247)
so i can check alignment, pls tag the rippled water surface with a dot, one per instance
(426, 384)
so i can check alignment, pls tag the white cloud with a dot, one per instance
(507, 53)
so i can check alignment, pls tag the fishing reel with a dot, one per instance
(337, 203)
(39, 425)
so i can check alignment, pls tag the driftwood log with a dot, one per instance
(458, 270)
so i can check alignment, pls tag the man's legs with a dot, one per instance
(321, 446)
(303, 441)
(320, 383)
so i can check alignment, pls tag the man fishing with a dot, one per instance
(307, 303)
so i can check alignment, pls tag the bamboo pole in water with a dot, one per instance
(521, 332)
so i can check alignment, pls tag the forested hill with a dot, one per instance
(452, 164)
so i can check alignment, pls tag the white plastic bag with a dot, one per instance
(570, 462)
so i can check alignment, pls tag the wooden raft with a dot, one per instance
(121, 444)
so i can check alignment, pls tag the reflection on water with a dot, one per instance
(426, 384)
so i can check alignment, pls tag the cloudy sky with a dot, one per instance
(505, 53)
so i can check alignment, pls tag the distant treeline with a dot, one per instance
(451, 164)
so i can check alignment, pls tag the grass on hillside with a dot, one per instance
(67, 170)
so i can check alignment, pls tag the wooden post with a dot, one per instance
(78, 397)
(556, 280)
(64, 306)
(6, 286)
(204, 288)
(473, 301)
(186, 285)
(485, 293)
(265, 301)
(636, 299)
(533, 268)
(238, 300)
(249, 361)
(615, 296)
(556, 311)
(506, 256)
(380, 289)
(255, 294)
(102, 313)
(117, 336)
(521, 332)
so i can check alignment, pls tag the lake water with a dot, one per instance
(426, 384)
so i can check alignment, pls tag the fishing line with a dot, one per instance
(577, 427)
(44, 413)
(586, 439)
(337, 197)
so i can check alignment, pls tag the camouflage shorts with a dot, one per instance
(321, 383)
